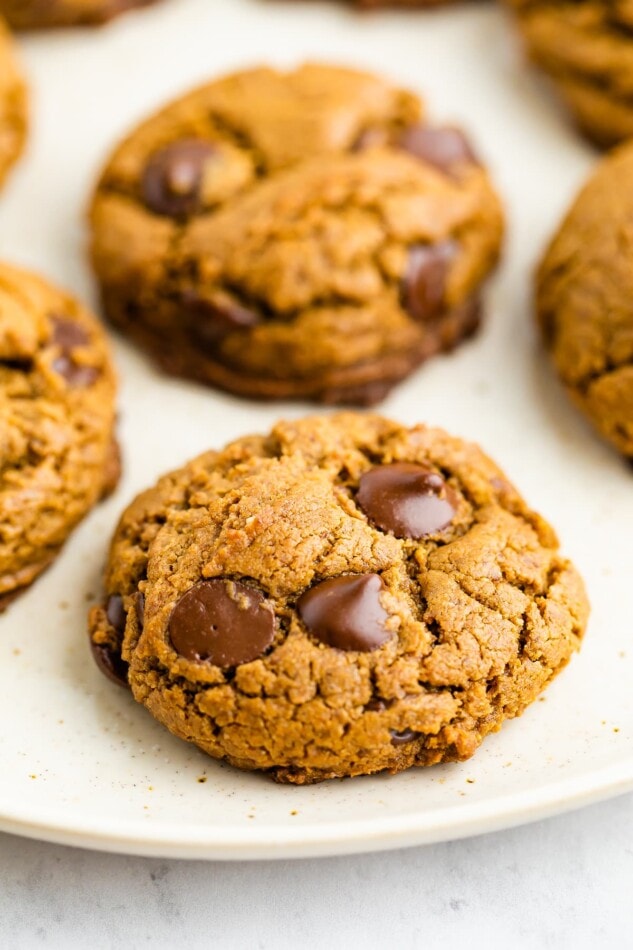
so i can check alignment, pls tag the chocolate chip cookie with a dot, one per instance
(42, 14)
(13, 104)
(339, 597)
(585, 300)
(58, 452)
(303, 234)
(586, 47)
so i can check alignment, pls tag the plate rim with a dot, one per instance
(170, 840)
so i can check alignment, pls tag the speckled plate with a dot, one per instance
(81, 762)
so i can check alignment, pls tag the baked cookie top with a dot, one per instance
(58, 454)
(341, 596)
(13, 104)
(296, 232)
(585, 299)
(41, 14)
(587, 48)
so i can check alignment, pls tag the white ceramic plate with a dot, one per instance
(81, 762)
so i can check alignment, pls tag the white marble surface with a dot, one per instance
(565, 882)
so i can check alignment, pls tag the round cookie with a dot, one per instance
(299, 234)
(340, 597)
(59, 455)
(585, 299)
(13, 104)
(42, 14)
(586, 47)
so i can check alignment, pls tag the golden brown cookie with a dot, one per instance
(585, 299)
(339, 597)
(57, 446)
(13, 104)
(586, 47)
(302, 234)
(42, 14)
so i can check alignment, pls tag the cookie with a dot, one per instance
(42, 14)
(295, 235)
(339, 597)
(585, 300)
(59, 455)
(13, 105)
(586, 47)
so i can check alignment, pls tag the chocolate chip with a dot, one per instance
(346, 613)
(78, 377)
(408, 500)
(213, 319)
(407, 735)
(115, 612)
(445, 148)
(67, 336)
(172, 180)
(110, 663)
(224, 622)
(424, 282)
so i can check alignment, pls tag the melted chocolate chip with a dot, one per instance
(78, 377)
(346, 613)
(67, 336)
(424, 282)
(115, 612)
(445, 148)
(213, 319)
(224, 622)
(408, 500)
(110, 663)
(407, 735)
(172, 180)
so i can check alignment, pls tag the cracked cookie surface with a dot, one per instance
(586, 47)
(42, 14)
(340, 597)
(13, 104)
(58, 455)
(585, 300)
(300, 234)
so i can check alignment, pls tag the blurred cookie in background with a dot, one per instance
(42, 14)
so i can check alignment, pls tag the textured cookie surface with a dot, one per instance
(13, 104)
(57, 449)
(300, 234)
(586, 46)
(337, 598)
(41, 14)
(585, 299)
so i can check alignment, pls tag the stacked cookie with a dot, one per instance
(342, 595)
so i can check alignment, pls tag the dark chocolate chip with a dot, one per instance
(408, 500)
(213, 319)
(68, 335)
(172, 180)
(407, 735)
(224, 622)
(445, 148)
(346, 613)
(424, 283)
(115, 612)
(110, 663)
